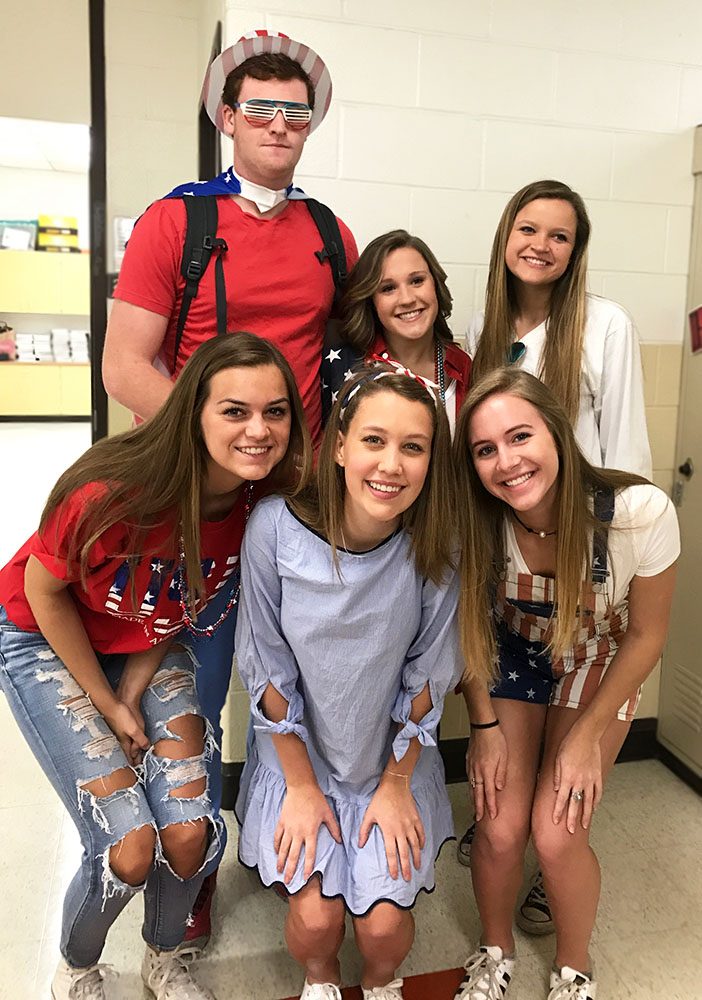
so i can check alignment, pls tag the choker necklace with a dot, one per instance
(533, 531)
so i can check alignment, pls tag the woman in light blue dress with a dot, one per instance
(347, 644)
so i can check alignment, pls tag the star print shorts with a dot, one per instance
(527, 673)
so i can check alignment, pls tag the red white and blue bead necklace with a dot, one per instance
(208, 630)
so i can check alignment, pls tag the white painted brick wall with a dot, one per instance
(442, 110)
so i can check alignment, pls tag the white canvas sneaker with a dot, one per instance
(167, 975)
(567, 984)
(79, 984)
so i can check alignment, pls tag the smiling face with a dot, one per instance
(541, 242)
(406, 301)
(245, 426)
(515, 456)
(385, 456)
(266, 155)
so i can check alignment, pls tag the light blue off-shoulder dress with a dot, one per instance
(348, 655)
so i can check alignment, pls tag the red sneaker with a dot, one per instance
(199, 930)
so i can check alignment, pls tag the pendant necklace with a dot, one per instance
(533, 531)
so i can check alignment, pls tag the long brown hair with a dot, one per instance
(482, 518)
(153, 474)
(430, 519)
(565, 324)
(359, 320)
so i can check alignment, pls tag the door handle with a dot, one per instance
(686, 469)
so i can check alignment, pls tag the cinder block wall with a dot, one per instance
(442, 110)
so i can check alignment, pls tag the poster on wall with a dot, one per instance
(696, 330)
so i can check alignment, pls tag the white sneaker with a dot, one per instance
(488, 974)
(167, 975)
(79, 984)
(567, 984)
(320, 991)
(391, 991)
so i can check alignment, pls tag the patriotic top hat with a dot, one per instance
(255, 43)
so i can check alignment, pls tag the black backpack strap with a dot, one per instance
(201, 241)
(603, 507)
(328, 226)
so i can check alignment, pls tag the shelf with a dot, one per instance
(48, 283)
(39, 389)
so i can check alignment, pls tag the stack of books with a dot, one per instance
(79, 341)
(43, 348)
(60, 344)
(25, 346)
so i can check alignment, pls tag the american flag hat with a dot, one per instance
(255, 43)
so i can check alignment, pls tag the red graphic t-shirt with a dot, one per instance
(112, 622)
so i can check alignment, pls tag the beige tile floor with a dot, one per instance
(647, 944)
(648, 835)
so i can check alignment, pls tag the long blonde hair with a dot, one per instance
(430, 519)
(153, 475)
(565, 324)
(482, 518)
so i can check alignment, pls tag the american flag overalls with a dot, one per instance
(523, 610)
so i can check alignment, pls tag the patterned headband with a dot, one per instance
(385, 359)
(374, 376)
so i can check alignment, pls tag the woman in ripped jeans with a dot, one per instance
(135, 538)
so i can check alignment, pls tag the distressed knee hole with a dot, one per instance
(185, 845)
(187, 734)
(190, 790)
(132, 858)
(123, 777)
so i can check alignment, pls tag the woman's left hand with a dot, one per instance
(577, 778)
(395, 811)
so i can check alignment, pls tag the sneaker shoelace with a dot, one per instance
(482, 980)
(325, 991)
(174, 970)
(537, 893)
(87, 983)
(391, 991)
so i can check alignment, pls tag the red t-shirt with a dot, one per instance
(276, 287)
(113, 624)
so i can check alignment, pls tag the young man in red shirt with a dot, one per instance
(267, 93)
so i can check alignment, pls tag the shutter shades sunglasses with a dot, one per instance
(259, 112)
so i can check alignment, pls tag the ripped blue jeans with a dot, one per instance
(75, 746)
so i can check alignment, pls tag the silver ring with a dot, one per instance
(472, 782)
(577, 796)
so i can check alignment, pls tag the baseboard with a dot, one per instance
(640, 744)
(231, 775)
(685, 773)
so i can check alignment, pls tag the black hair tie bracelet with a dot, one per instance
(485, 725)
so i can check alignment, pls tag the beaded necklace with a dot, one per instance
(439, 373)
(183, 596)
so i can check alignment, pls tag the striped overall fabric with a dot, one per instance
(524, 610)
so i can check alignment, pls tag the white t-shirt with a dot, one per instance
(611, 424)
(644, 539)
